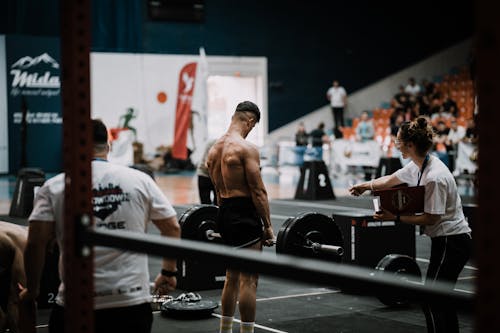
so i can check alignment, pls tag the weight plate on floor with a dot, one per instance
(188, 310)
(401, 266)
(296, 233)
(197, 220)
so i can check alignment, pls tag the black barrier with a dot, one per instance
(314, 182)
(279, 265)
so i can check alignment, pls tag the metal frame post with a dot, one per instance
(77, 148)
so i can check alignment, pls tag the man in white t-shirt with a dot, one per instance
(412, 87)
(337, 96)
(123, 199)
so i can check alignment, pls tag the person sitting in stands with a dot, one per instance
(365, 130)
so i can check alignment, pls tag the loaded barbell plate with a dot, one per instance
(401, 266)
(191, 310)
(315, 227)
(196, 220)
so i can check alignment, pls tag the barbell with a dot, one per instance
(309, 234)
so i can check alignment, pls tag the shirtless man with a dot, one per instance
(244, 220)
(13, 239)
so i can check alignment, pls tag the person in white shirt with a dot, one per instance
(337, 96)
(412, 87)
(123, 199)
(443, 217)
(456, 133)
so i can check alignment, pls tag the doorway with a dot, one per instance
(224, 93)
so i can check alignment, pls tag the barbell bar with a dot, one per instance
(308, 234)
(316, 247)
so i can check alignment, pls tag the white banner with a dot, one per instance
(352, 153)
(148, 84)
(4, 134)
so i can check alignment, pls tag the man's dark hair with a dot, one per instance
(248, 106)
(100, 132)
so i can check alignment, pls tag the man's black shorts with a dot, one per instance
(238, 222)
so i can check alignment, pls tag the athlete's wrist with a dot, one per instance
(168, 273)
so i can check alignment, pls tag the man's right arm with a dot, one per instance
(169, 227)
(39, 235)
(258, 193)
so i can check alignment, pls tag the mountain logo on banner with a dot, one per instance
(27, 62)
(38, 76)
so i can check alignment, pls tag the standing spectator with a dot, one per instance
(125, 199)
(301, 141)
(365, 130)
(455, 135)
(318, 138)
(440, 138)
(338, 101)
(301, 136)
(206, 189)
(412, 87)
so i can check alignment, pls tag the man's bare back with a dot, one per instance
(233, 162)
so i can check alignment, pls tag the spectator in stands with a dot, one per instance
(429, 88)
(471, 133)
(337, 96)
(365, 130)
(435, 106)
(398, 121)
(412, 88)
(450, 106)
(423, 104)
(455, 135)
(301, 136)
(400, 99)
(318, 138)
(440, 138)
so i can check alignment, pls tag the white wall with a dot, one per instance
(373, 95)
(121, 80)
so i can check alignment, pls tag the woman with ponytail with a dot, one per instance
(443, 217)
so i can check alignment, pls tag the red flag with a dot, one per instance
(183, 110)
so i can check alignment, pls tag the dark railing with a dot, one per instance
(344, 276)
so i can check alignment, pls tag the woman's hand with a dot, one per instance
(384, 215)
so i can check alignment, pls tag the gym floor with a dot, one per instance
(286, 305)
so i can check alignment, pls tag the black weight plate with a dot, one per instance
(317, 228)
(401, 266)
(188, 310)
(191, 220)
